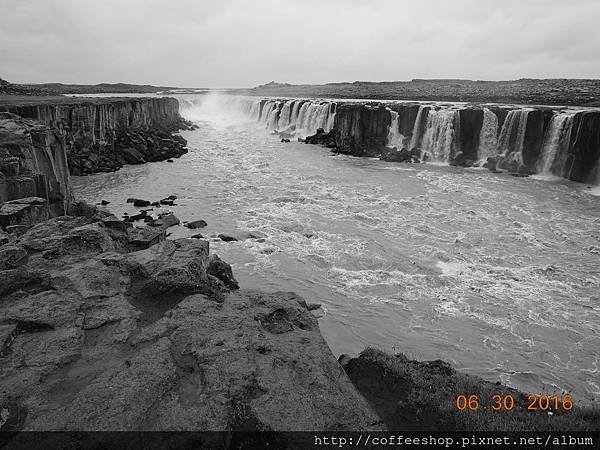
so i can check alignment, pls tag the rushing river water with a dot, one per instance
(496, 274)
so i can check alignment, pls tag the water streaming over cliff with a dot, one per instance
(395, 138)
(297, 118)
(512, 136)
(523, 139)
(488, 136)
(439, 134)
(416, 132)
(556, 141)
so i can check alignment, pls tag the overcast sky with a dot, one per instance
(236, 43)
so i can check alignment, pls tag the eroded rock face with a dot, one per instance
(361, 130)
(102, 135)
(33, 163)
(100, 336)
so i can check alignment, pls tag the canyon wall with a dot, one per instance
(34, 178)
(103, 134)
(563, 142)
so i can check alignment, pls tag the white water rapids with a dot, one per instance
(496, 274)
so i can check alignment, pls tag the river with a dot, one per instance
(496, 274)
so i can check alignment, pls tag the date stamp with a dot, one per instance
(507, 402)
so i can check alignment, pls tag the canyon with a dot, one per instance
(118, 327)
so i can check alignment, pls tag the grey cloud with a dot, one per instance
(243, 43)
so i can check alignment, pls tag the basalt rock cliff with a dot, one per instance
(103, 134)
(517, 140)
(34, 178)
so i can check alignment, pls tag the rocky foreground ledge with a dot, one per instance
(102, 329)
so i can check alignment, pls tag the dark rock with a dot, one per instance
(394, 155)
(132, 156)
(24, 211)
(227, 238)
(285, 140)
(104, 202)
(172, 197)
(462, 160)
(114, 223)
(4, 237)
(155, 204)
(167, 202)
(197, 236)
(170, 160)
(146, 237)
(221, 270)
(490, 163)
(196, 224)
(141, 215)
(139, 203)
(321, 138)
(165, 221)
(12, 256)
(361, 129)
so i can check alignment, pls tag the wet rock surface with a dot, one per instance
(101, 335)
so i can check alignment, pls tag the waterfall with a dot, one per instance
(556, 141)
(439, 134)
(294, 117)
(284, 117)
(512, 135)
(394, 137)
(488, 136)
(416, 132)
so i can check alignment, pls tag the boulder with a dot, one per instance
(196, 224)
(132, 156)
(321, 138)
(24, 211)
(113, 222)
(139, 203)
(165, 221)
(146, 237)
(175, 265)
(395, 155)
(222, 271)
(227, 238)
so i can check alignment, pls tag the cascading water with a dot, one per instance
(488, 136)
(556, 141)
(512, 135)
(284, 117)
(395, 138)
(416, 132)
(439, 134)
